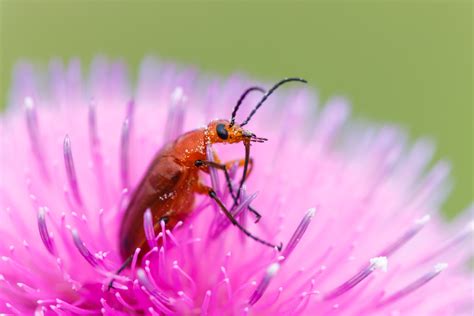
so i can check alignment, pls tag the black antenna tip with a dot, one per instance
(268, 93)
(295, 79)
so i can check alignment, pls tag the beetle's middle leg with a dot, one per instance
(225, 167)
(122, 267)
(129, 259)
(203, 189)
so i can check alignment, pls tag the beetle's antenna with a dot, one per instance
(269, 92)
(241, 99)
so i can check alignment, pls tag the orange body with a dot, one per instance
(170, 183)
(169, 186)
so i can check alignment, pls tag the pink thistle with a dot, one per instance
(374, 245)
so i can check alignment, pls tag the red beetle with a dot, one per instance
(169, 185)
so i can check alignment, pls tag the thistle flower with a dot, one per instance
(354, 205)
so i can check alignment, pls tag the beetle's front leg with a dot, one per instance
(231, 163)
(217, 165)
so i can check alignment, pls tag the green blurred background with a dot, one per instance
(407, 62)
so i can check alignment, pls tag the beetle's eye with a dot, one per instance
(221, 131)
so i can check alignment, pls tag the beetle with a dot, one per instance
(172, 180)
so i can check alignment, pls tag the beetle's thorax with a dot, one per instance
(189, 147)
(192, 145)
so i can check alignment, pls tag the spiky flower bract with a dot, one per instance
(354, 204)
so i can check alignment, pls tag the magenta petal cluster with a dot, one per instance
(354, 204)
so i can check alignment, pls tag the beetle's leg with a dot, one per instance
(122, 267)
(203, 189)
(225, 167)
(258, 216)
(130, 258)
(241, 163)
(246, 164)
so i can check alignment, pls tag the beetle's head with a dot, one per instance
(222, 131)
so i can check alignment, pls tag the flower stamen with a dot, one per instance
(262, 286)
(175, 121)
(159, 305)
(149, 229)
(123, 302)
(125, 144)
(172, 237)
(47, 239)
(151, 289)
(274, 267)
(223, 222)
(73, 309)
(13, 309)
(409, 234)
(213, 172)
(183, 274)
(427, 277)
(70, 170)
(92, 125)
(205, 303)
(299, 232)
(163, 233)
(134, 260)
(464, 234)
(83, 249)
(27, 289)
(33, 133)
(152, 311)
(377, 263)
